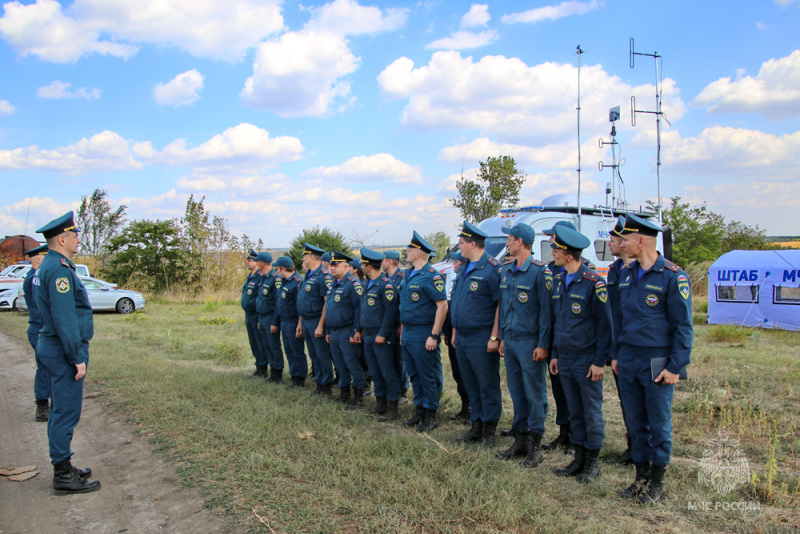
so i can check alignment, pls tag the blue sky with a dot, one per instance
(362, 116)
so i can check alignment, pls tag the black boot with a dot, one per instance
(522, 442)
(561, 441)
(344, 395)
(42, 410)
(67, 478)
(391, 413)
(277, 376)
(417, 419)
(489, 437)
(261, 372)
(298, 382)
(464, 414)
(625, 457)
(655, 486)
(475, 433)
(269, 376)
(429, 421)
(357, 401)
(535, 455)
(319, 390)
(380, 406)
(591, 466)
(642, 477)
(576, 465)
(327, 390)
(507, 432)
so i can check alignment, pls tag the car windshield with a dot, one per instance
(494, 245)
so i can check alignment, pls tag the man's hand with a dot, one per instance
(299, 332)
(273, 329)
(540, 354)
(355, 339)
(380, 340)
(502, 348)
(327, 338)
(596, 373)
(615, 367)
(81, 367)
(493, 346)
(318, 332)
(554, 366)
(666, 378)
(431, 344)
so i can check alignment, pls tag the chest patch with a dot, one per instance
(576, 308)
(415, 297)
(62, 285)
(283, 295)
(249, 290)
(337, 298)
(371, 301)
(265, 290)
(473, 286)
(651, 299)
(308, 287)
(523, 297)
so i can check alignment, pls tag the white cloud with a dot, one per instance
(508, 99)
(59, 89)
(301, 74)
(6, 108)
(564, 9)
(478, 15)
(246, 185)
(204, 28)
(774, 91)
(182, 90)
(35, 211)
(347, 17)
(463, 40)
(378, 167)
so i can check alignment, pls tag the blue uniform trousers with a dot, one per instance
(562, 411)
(251, 323)
(648, 404)
(481, 373)
(66, 398)
(527, 383)
(400, 365)
(452, 354)
(270, 343)
(293, 347)
(424, 366)
(41, 383)
(380, 359)
(319, 351)
(584, 399)
(347, 358)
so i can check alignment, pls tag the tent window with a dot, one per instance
(786, 295)
(603, 251)
(745, 294)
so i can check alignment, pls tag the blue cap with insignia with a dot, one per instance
(326, 257)
(552, 230)
(266, 257)
(356, 263)
(36, 251)
(637, 225)
(252, 254)
(417, 241)
(367, 254)
(470, 230)
(339, 257)
(522, 231)
(65, 223)
(392, 255)
(285, 262)
(567, 238)
(311, 249)
(617, 231)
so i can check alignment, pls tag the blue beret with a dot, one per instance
(65, 223)
(392, 255)
(367, 254)
(569, 238)
(522, 231)
(470, 230)
(326, 257)
(637, 225)
(266, 257)
(338, 257)
(417, 241)
(552, 230)
(311, 249)
(285, 262)
(36, 251)
(617, 231)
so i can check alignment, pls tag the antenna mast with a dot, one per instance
(579, 52)
(613, 116)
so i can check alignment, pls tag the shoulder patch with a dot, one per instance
(591, 275)
(671, 266)
(493, 261)
(351, 278)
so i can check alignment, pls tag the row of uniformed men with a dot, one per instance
(530, 314)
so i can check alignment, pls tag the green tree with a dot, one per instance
(98, 221)
(440, 243)
(149, 254)
(498, 185)
(324, 238)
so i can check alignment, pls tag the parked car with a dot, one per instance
(9, 296)
(104, 296)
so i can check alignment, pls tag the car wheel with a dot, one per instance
(125, 306)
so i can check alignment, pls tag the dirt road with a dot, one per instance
(140, 492)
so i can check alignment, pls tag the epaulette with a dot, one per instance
(401, 273)
(493, 261)
(537, 263)
(591, 275)
(64, 262)
(432, 270)
(297, 278)
(559, 275)
(384, 278)
(671, 266)
(351, 278)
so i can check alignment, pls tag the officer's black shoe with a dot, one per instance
(380, 406)
(391, 413)
(535, 455)
(429, 422)
(576, 465)
(261, 371)
(591, 466)
(522, 442)
(464, 414)
(67, 478)
(319, 390)
(655, 486)
(489, 437)
(642, 476)
(344, 395)
(417, 418)
(562, 441)
(42, 410)
(507, 432)
(357, 401)
(277, 376)
(475, 433)
(624, 458)
(298, 382)
(83, 473)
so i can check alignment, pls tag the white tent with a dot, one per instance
(755, 288)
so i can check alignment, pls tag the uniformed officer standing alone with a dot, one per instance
(63, 347)
(41, 383)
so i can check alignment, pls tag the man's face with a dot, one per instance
(386, 264)
(71, 242)
(261, 265)
(457, 265)
(615, 245)
(513, 244)
(36, 260)
(249, 263)
(561, 258)
(550, 240)
(340, 269)
(467, 249)
(281, 272)
(630, 245)
(412, 254)
(306, 261)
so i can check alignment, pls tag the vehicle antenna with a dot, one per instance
(579, 52)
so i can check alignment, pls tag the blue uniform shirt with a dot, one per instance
(475, 294)
(64, 306)
(249, 293)
(343, 305)
(397, 278)
(34, 317)
(656, 311)
(268, 288)
(582, 322)
(286, 307)
(380, 310)
(419, 294)
(311, 297)
(525, 302)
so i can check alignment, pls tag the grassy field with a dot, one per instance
(281, 460)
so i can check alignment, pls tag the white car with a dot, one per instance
(104, 297)
(9, 296)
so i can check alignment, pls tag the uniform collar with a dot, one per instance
(479, 264)
(658, 266)
(578, 274)
(525, 264)
(62, 258)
